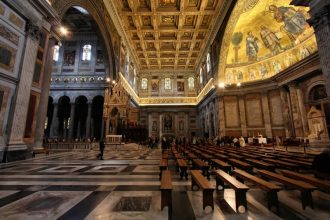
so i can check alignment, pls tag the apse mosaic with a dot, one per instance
(264, 38)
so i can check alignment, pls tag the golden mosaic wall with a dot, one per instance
(264, 38)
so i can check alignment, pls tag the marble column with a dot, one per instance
(71, 126)
(295, 111)
(241, 103)
(23, 89)
(44, 95)
(88, 120)
(286, 112)
(320, 20)
(266, 114)
(302, 109)
(54, 125)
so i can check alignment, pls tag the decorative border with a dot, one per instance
(195, 100)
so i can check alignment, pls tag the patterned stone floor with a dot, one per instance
(125, 185)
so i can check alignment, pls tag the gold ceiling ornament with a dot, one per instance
(155, 28)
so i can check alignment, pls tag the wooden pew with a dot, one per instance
(162, 166)
(166, 188)
(305, 188)
(197, 179)
(261, 164)
(221, 165)
(182, 168)
(321, 184)
(269, 187)
(242, 165)
(240, 188)
(280, 163)
(204, 167)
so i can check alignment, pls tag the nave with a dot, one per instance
(125, 185)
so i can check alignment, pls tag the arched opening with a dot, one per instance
(97, 115)
(63, 114)
(79, 126)
(49, 116)
(318, 98)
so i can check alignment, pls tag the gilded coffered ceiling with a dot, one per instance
(169, 34)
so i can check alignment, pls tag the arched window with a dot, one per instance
(208, 63)
(87, 52)
(56, 53)
(144, 83)
(317, 92)
(201, 75)
(191, 83)
(168, 83)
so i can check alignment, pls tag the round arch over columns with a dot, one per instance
(102, 18)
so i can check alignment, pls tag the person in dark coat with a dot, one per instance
(321, 163)
(102, 146)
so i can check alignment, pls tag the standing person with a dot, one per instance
(102, 146)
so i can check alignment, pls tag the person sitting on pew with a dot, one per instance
(236, 142)
(321, 164)
(241, 141)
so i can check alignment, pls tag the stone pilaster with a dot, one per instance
(72, 114)
(286, 112)
(266, 114)
(88, 120)
(23, 90)
(302, 110)
(295, 111)
(320, 20)
(241, 104)
(44, 96)
(222, 124)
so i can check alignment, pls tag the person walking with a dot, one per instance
(102, 146)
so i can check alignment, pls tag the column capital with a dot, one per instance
(33, 31)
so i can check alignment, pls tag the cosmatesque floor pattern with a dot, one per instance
(125, 185)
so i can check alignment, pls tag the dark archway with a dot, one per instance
(97, 116)
(63, 114)
(49, 116)
(79, 126)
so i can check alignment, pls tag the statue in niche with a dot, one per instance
(167, 122)
(271, 40)
(252, 47)
(316, 124)
(294, 21)
(154, 126)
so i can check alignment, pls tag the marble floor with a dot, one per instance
(125, 185)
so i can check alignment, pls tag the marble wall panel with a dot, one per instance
(275, 106)
(231, 111)
(253, 110)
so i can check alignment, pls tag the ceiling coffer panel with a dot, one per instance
(169, 33)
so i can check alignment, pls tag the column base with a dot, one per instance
(14, 153)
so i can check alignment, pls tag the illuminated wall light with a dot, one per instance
(108, 79)
(113, 82)
(63, 30)
(239, 84)
(222, 85)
